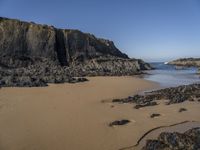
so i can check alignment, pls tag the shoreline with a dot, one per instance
(72, 116)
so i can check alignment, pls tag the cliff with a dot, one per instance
(34, 55)
(22, 40)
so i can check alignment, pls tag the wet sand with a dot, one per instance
(72, 116)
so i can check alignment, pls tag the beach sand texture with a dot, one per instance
(73, 116)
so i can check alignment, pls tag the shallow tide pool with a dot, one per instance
(169, 76)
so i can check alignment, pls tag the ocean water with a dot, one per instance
(169, 76)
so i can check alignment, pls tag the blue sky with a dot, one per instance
(155, 30)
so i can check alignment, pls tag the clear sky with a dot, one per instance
(155, 30)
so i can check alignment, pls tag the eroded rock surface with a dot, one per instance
(187, 62)
(173, 95)
(190, 140)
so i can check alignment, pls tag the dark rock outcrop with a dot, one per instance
(173, 95)
(34, 55)
(22, 40)
(182, 109)
(154, 115)
(190, 140)
(145, 104)
(187, 62)
(119, 122)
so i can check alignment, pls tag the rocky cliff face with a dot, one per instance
(22, 40)
(31, 54)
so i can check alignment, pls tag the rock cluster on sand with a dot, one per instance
(190, 140)
(34, 55)
(173, 95)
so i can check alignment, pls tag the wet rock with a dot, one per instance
(154, 115)
(186, 62)
(138, 106)
(173, 95)
(117, 100)
(155, 145)
(190, 140)
(182, 109)
(76, 80)
(38, 75)
(82, 79)
(119, 122)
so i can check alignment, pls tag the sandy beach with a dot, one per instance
(73, 116)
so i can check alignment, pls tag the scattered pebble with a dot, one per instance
(182, 109)
(119, 122)
(154, 115)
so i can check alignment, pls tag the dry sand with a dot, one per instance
(72, 116)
